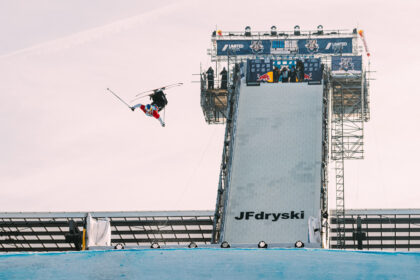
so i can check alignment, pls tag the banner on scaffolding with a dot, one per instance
(346, 64)
(313, 70)
(285, 46)
(259, 70)
(243, 47)
(325, 46)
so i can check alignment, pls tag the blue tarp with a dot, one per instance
(211, 264)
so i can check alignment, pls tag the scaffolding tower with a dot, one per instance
(350, 109)
(213, 102)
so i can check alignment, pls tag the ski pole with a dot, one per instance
(119, 98)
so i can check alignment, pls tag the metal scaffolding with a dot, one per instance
(42, 232)
(226, 161)
(213, 103)
(325, 159)
(350, 109)
(378, 229)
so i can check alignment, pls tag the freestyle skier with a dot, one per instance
(158, 98)
(159, 102)
(151, 111)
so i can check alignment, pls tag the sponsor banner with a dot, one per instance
(285, 46)
(243, 47)
(346, 64)
(313, 70)
(259, 70)
(330, 45)
(271, 217)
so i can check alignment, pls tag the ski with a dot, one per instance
(160, 88)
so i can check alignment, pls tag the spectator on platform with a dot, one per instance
(276, 74)
(300, 68)
(285, 74)
(236, 73)
(210, 78)
(204, 77)
(293, 74)
(224, 79)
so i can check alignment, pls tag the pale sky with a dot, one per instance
(67, 145)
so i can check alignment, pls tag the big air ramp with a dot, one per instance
(275, 173)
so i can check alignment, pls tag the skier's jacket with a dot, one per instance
(154, 112)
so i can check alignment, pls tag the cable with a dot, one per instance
(187, 185)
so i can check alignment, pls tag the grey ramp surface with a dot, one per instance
(276, 164)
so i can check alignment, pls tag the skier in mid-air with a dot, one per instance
(150, 110)
(158, 98)
(159, 102)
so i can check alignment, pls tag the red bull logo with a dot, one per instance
(307, 77)
(264, 78)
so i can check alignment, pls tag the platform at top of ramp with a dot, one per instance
(211, 264)
(275, 173)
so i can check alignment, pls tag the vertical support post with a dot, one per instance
(382, 237)
(339, 172)
(84, 240)
(359, 235)
(339, 203)
(325, 158)
(409, 231)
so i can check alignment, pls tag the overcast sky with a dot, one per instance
(67, 145)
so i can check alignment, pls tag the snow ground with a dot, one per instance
(211, 264)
